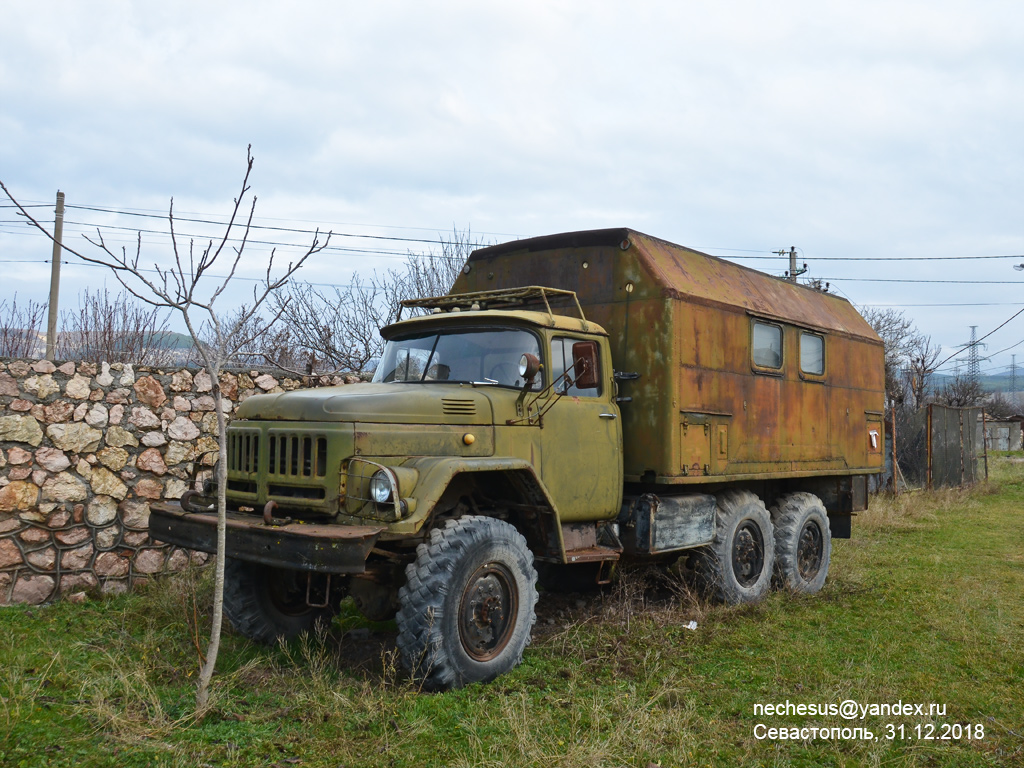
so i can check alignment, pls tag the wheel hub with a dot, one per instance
(748, 554)
(287, 592)
(487, 612)
(809, 551)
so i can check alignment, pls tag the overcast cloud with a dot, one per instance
(888, 129)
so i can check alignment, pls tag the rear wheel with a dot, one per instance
(737, 566)
(467, 607)
(266, 604)
(803, 542)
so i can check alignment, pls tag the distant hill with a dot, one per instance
(989, 383)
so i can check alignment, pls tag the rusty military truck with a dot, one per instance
(576, 401)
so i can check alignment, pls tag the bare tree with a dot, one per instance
(259, 340)
(922, 359)
(184, 288)
(961, 391)
(1000, 407)
(341, 332)
(114, 329)
(20, 334)
(910, 360)
(897, 333)
(434, 272)
(335, 333)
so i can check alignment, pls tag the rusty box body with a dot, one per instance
(740, 376)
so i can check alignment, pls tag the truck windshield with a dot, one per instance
(483, 356)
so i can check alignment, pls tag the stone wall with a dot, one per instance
(85, 448)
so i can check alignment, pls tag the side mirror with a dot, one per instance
(584, 363)
(529, 367)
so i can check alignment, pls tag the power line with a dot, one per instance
(888, 258)
(969, 304)
(154, 271)
(975, 342)
(1007, 349)
(408, 254)
(910, 280)
(433, 241)
(162, 214)
(250, 241)
(143, 212)
(278, 243)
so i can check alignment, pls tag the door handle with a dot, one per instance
(607, 415)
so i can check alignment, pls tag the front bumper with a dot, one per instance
(317, 548)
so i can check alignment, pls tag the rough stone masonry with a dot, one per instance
(84, 449)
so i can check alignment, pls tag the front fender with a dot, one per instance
(437, 473)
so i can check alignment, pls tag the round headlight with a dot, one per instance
(380, 487)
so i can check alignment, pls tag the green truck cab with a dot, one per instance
(710, 412)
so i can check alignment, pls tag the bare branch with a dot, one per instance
(21, 328)
(113, 329)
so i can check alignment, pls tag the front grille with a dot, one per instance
(291, 455)
(244, 450)
(458, 407)
(288, 466)
(242, 486)
(297, 492)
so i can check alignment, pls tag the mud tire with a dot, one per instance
(267, 604)
(803, 543)
(467, 607)
(737, 566)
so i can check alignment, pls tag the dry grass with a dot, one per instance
(922, 604)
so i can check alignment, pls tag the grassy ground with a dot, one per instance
(923, 606)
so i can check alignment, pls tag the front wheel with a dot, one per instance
(737, 566)
(803, 543)
(467, 607)
(266, 604)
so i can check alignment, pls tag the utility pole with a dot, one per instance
(793, 272)
(1013, 374)
(51, 320)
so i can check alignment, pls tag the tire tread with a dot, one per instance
(788, 516)
(428, 579)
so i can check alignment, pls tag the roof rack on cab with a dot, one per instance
(519, 298)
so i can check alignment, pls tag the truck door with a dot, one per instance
(581, 439)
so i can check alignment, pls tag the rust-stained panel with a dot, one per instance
(682, 320)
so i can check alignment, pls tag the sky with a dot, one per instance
(884, 140)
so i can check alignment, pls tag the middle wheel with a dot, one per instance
(737, 566)
(467, 607)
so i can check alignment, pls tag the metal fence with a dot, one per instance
(956, 441)
(1002, 436)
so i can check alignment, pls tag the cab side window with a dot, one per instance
(561, 360)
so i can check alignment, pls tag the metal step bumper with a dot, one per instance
(295, 545)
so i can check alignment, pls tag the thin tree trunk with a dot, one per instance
(206, 673)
